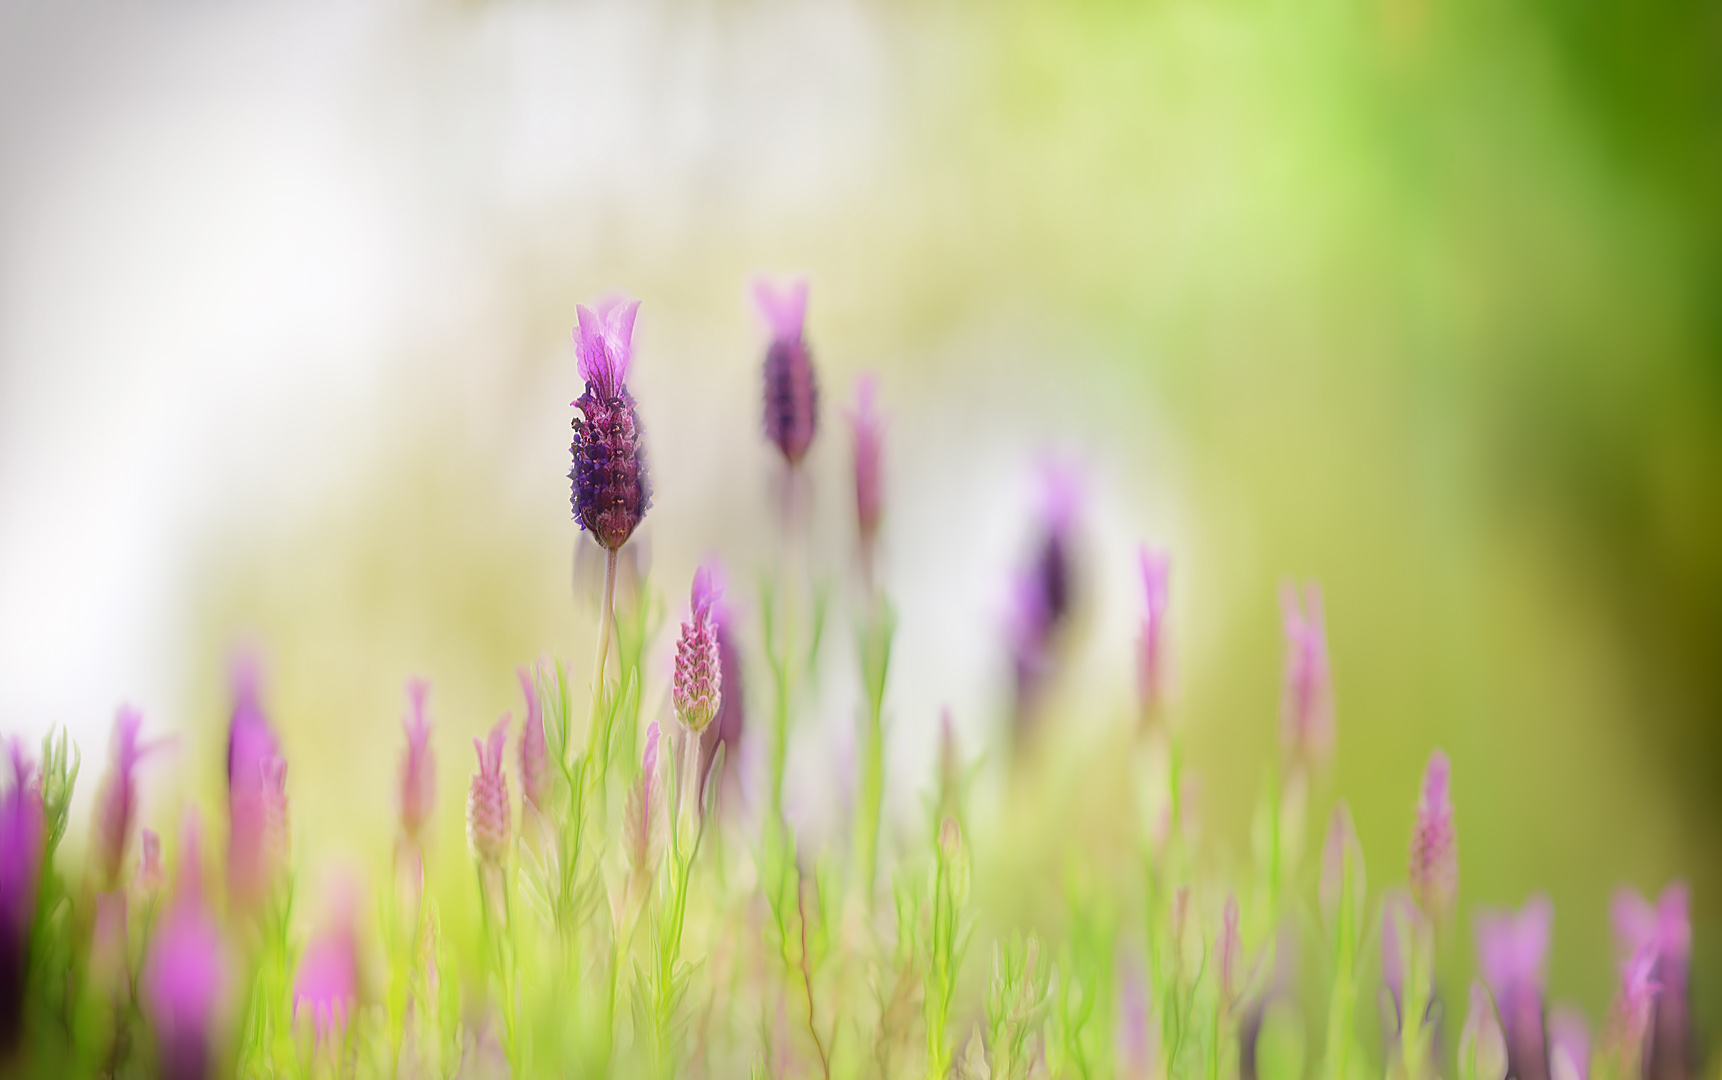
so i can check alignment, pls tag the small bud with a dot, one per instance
(791, 388)
(697, 688)
(1434, 865)
(1156, 567)
(1482, 1047)
(418, 766)
(867, 428)
(645, 812)
(1306, 710)
(1629, 1017)
(488, 813)
(117, 801)
(259, 829)
(534, 754)
(185, 976)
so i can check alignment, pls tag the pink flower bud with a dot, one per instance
(185, 976)
(867, 428)
(1434, 864)
(418, 766)
(534, 754)
(697, 688)
(1306, 710)
(1155, 565)
(117, 801)
(488, 812)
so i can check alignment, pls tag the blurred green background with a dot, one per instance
(1421, 299)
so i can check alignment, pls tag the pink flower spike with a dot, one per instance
(784, 308)
(488, 813)
(418, 766)
(605, 344)
(1434, 864)
(117, 801)
(327, 983)
(1155, 565)
(1306, 711)
(185, 974)
(697, 687)
(534, 753)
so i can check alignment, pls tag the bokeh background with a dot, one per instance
(1421, 299)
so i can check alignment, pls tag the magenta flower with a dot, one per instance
(22, 825)
(1306, 709)
(1512, 951)
(117, 800)
(258, 828)
(488, 813)
(1482, 1047)
(418, 764)
(1666, 927)
(1569, 1046)
(1156, 567)
(866, 428)
(611, 488)
(185, 976)
(1340, 851)
(1434, 866)
(150, 874)
(1044, 593)
(698, 685)
(327, 984)
(534, 754)
(791, 389)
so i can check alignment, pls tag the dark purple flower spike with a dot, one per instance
(22, 824)
(1044, 593)
(611, 488)
(791, 389)
(1512, 950)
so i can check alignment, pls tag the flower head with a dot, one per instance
(488, 813)
(1434, 864)
(1482, 1047)
(1155, 565)
(185, 976)
(866, 427)
(327, 983)
(534, 754)
(418, 765)
(258, 824)
(698, 685)
(791, 389)
(1512, 950)
(611, 490)
(1306, 710)
(117, 801)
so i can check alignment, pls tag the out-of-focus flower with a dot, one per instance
(150, 874)
(108, 960)
(645, 809)
(1399, 917)
(258, 825)
(1340, 854)
(1482, 1047)
(867, 429)
(697, 689)
(1306, 708)
(418, 764)
(1134, 1045)
(1156, 568)
(731, 722)
(22, 825)
(1666, 927)
(327, 983)
(488, 814)
(117, 800)
(534, 754)
(1569, 1046)
(611, 489)
(791, 389)
(1623, 1038)
(1229, 947)
(185, 976)
(1512, 950)
(1434, 865)
(1044, 593)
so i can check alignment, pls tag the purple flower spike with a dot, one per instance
(698, 688)
(258, 829)
(418, 765)
(534, 754)
(867, 428)
(1434, 867)
(791, 389)
(1306, 711)
(1629, 1017)
(327, 984)
(1667, 927)
(1512, 951)
(21, 841)
(611, 488)
(488, 814)
(185, 976)
(1569, 1046)
(117, 801)
(1156, 568)
(1482, 1047)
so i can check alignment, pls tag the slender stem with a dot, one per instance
(606, 623)
(786, 661)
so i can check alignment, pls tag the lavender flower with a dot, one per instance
(488, 813)
(698, 683)
(1667, 927)
(1306, 710)
(1482, 1047)
(1156, 566)
(611, 489)
(644, 810)
(22, 825)
(1434, 866)
(791, 390)
(117, 801)
(1044, 594)
(1512, 951)
(327, 983)
(418, 765)
(258, 828)
(1623, 1040)
(1569, 1046)
(185, 976)
(534, 754)
(866, 428)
